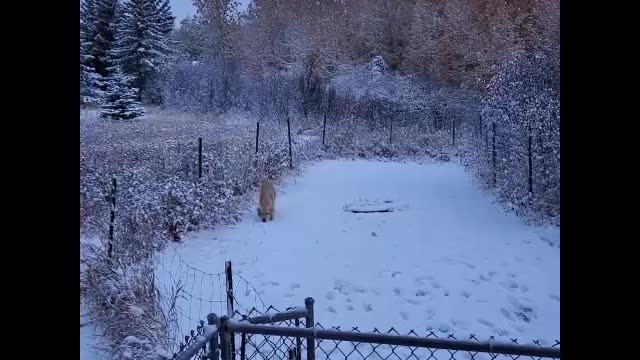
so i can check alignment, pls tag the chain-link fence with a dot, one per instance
(202, 343)
(293, 334)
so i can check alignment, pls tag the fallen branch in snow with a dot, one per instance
(370, 206)
(358, 211)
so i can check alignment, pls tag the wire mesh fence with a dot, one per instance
(292, 334)
(187, 294)
(192, 341)
(266, 332)
(263, 346)
(256, 346)
(336, 349)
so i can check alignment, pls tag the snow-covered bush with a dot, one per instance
(211, 85)
(160, 198)
(155, 164)
(518, 152)
(122, 299)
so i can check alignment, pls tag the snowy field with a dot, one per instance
(443, 257)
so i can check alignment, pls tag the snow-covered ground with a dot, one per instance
(443, 257)
(89, 339)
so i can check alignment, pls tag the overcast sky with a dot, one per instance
(184, 8)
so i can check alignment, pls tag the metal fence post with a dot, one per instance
(229, 285)
(289, 135)
(298, 341)
(324, 127)
(494, 154)
(225, 339)
(257, 140)
(453, 133)
(243, 345)
(530, 162)
(310, 322)
(200, 157)
(214, 350)
(113, 215)
(257, 135)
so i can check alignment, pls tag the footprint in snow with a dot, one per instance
(412, 301)
(331, 295)
(430, 313)
(444, 327)
(506, 314)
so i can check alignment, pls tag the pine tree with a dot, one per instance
(120, 101)
(106, 14)
(90, 85)
(142, 44)
(88, 21)
(90, 81)
(166, 20)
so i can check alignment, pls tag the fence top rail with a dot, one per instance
(493, 347)
(291, 314)
(208, 332)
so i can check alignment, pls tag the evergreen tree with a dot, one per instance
(90, 81)
(142, 44)
(120, 101)
(166, 20)
(88, 21)
(103, 37)
(90, 85)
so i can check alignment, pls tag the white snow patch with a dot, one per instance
(133, 339)
(450, 261)
(89, 340)
(163, 353)
(136, 311)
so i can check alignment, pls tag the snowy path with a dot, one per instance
(445, 257)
